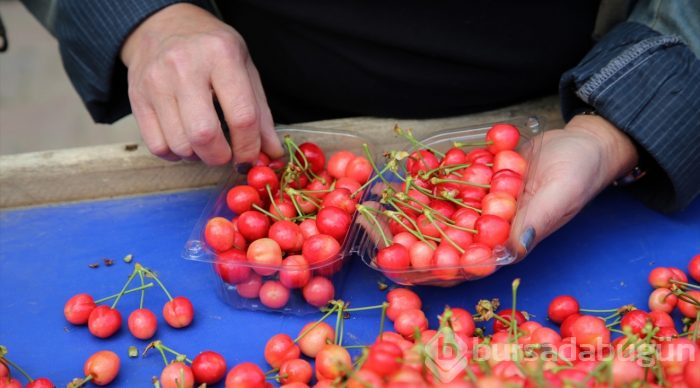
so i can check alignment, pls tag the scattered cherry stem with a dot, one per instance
(143, 291)
(128, 281)
(106, 298)
(689, 285)
(19, 369)
(323, 318)
(151, 274)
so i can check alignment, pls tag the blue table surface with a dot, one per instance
(602, 257)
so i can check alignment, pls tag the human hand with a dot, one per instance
(179, 60)
(574, 165)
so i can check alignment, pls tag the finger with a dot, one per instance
(169, 119)
(152, 136)
(270, 141)
(239, 104)
(202, 126)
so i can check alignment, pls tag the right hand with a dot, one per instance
(179, 60)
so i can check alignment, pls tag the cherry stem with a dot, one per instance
(363, 210)
(385, 305)
(323, 318)
(159, 345)
(598, 311)
(689, 285)
(338, 322)
(106, 298)
(356, 346)
(128, 281)
(151, 274)
(408, 135)
(378, 173)
(613, 324)
(460, 203)
(19, 369)
(459, 144)
(442, 232)
(143, 290)
(271, 371)
(376, 307)
(267, 213)
(696, 330)
(514, 327)
(436, 180)
(82, 382)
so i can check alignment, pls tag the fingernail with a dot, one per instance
(527, 238)
(243, 168)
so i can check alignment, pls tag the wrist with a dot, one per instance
(617, 150)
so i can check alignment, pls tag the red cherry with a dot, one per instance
(142, 323)
(466, 218)
(208, 367)
(78, 308)
(507, 314)
(393, 258)
(408, 321)
(477, 260)
(509, 160)
(280, 348)
(479, 156)
(662, 299)
(253, 225)
(591, 331)
(401, 299)
(103, 366)
(334, 222)
(421, 161)
(7, 382)
(694, 268)
(261, 176)
(662, 277)
(350, 185)
(178, 312)
(308, 228)
(263, 159)
(318, 291)
(359, 169)
(332, 362)
(565, 327)
(314, 336)
(338, 163)
(341, 199)
(295, 272)
(446, 260)
(319, 187)
(219, 233)
(502, 137)
(634, 321)
(421, 254)
(288, 235)
(295, 371)
(242, 198)
(315, 157)
(384, 358)
(245, 375)
(499, 204)
(688, 309)
(507, 181)
(231, 266)
(491, 230)
(283, 208)
(250, 288)
(461, 322)
(177, 375)
(104, 321)
(561, 308)
(266, 256)
(41, 382)
(454, 156)
(320, 249)
(273, 294)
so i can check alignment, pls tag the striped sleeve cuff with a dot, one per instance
(90, 36)
(647, 85)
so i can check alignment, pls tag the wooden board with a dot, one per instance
(115, 170)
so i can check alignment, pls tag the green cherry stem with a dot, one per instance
(17, 367)
(514, 327)
(696, 330)
(379, 173)
(442, 232)
(436, 180)
(323, 318)
(267, 213)
(365, 308)
(143, 291)
(363, 210)
(173, 352)
(385, 305)
(151, 274)
(128, 281)
(106, 298)
(598, 311)
(459, 144)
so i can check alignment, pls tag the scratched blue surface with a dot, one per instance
(602, 256)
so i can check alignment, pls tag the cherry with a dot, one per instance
(446, 260)
(491, 230)
(318, 291)
(102, 367)
(634, 321)
(561, 308)
(350, 185)
(314, 336)
(565, 328)
(408, 321)
(454, 157)
(177, 375)
(545, 335)
(315, 157)
(401, 299)
(507, 314)
(320, 248)
(78, 308)
(104, 321)
(320, 186)
(675, 354)
(421, 161)
(694, 270)
(460, 321)
(263, 159)
(283, 208)
(340, 198)
(332, 361)
(7, 382)
(294, 272)
(208, 367)
(334, 222)
(365, 378)
(219, 233)
(245, 375)
(273, 294)
(41, 382)
(393, 258)
(338, 163)
(295, 371)
(661, 319)
(241, 198)
(253, 225)
(359, 169)
(308, 228)
(509, 160)
(421, 254)
(591, 331)
(178, 312)
(231, 266)
(688, 309)
(662, 276)
(499, 204)
(4, 371)
(502, 137)
(288, 235)
(406, 239)
(691, 376)
(662, 299)
(261, 176)
(479, 156)
(465, 217)
(460, 237)
(142, 323)
(478, 261)
(265, 255)
(384, 358)
(250, 288)
(280, 348)
(507, 181)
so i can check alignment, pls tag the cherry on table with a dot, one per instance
(142, 323)
(178, 312)
(280, 348)
(78, 308)
(209, 367)
(102, 367)
(245, 375)
(561, 308)
(314, 336)
(231, 266)
(177, 375)
(104, 321)
(332, 361)
(295, 371)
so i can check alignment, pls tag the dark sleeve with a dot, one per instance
(648, 85)
(90, 35)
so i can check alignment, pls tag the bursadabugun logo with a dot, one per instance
(446, 355)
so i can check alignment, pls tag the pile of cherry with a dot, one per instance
(450, 210)
(291, 221)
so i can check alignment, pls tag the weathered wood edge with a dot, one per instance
(75, 174)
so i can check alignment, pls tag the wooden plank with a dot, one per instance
(113, 170)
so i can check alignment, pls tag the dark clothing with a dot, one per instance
(321, 59)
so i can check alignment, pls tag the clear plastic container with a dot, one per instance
(369, 241)
(333, 269)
